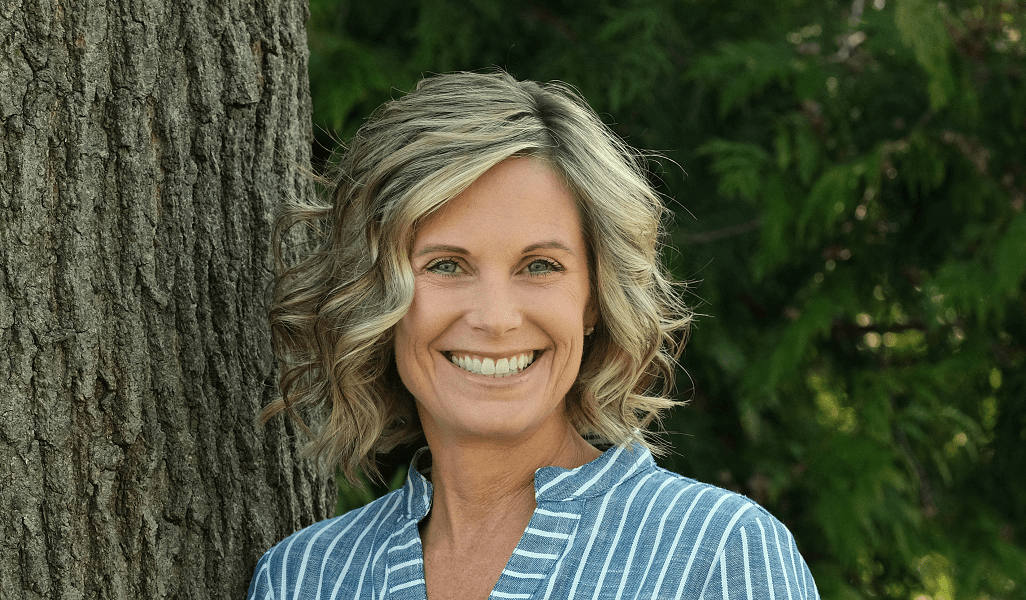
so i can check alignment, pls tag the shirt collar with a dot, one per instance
(612, 468)
(418, 490)
(552, 484)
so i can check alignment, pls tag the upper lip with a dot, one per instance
(491, 354)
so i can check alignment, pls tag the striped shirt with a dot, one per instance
(618, 527)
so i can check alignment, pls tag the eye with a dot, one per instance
(443, 266)
(543, 266)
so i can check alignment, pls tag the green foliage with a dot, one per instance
(855, 188)
(741, 167)
(922, 26)
(354, 496)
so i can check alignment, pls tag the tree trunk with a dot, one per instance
(145, 146)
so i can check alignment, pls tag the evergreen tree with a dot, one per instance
(849, 181)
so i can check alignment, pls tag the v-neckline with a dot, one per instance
(561, 496)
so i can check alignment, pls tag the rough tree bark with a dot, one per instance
(145, 144)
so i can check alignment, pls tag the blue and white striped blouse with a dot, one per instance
(618, 527)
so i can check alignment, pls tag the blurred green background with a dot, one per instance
(849, 181)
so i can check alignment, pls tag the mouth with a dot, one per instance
(489, 367)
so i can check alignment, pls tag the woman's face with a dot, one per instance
(501, 287)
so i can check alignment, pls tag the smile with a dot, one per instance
(503, 367)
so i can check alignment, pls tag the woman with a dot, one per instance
(487, 278)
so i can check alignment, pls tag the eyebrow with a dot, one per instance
(441, 248)
(548, 245)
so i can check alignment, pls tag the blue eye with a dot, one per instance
(444, 266)
(542, 267)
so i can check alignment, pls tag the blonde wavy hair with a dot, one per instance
(334, 309)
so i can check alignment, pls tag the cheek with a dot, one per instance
(417, 329)
(402, 349)
(408, 358)
(573, 304)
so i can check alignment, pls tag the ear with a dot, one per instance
(591, 312)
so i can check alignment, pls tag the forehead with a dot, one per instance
(518, 200)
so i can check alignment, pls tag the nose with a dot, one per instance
(494, 306)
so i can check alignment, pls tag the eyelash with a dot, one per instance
(438, 261)
(554, 267)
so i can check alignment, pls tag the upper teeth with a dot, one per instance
(504, 367)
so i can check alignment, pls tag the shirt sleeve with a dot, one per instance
(760, 561)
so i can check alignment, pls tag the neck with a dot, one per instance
(483, 485)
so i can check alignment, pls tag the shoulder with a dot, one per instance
(712, 509)
(719, 543)
(305, 553)
(342, 531)
(691, 502)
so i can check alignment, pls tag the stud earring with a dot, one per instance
(588, 330)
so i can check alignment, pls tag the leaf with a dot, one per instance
(921, 24)
(806, 151)
(835, 188)
(782, 145)
(815, 320)
(777, 216)
(742, 71)
(922, 166)
(1010, 258)
(739, 165)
